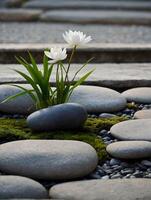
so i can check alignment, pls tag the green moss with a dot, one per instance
(97, 124)
(132, 106)
(12, 129)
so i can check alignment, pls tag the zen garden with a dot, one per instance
(75, 99)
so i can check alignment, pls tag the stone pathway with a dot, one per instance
(116, 76)
(127, 25)
(108, 33)
(87, 4)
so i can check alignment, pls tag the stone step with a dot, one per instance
(19, 14)
(116, 76)
(87, 4)
(52, 33)
(106, 53)
(98, 17)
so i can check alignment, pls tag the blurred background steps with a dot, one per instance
(87, 4)
(102, 53)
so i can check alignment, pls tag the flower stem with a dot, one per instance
(71, 57)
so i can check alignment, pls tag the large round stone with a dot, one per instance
(21, 188)
(60, 117)
(20, 105)
(138, 95)
(139, 129)
(143, 114)
(48, 159)
(98, 99)
(119, 189)
(130, 149)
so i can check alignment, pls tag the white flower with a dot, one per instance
(76, 38)
(56, 54)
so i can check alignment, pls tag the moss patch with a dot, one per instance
(12, 129)
(132, 106)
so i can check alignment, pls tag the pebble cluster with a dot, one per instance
(114, 168)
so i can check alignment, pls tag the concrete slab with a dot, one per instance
(117, 76)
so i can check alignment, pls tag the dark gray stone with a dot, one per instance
(132, 189)
(48, 159)
(139, 129)
(59, 117)
(17, 187)
(130, 149)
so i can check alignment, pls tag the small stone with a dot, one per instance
(146, 163)
(130, 149)
(58, 117)
(21, 188)
(127, 171)
(106, 115)
(116, 176)
(105, 177)
(114, 161)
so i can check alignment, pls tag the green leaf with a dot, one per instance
(27, 91)
(82, 68)
(31, 82)
(79, 82)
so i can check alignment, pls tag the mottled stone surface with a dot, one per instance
(130, 149)
(98, 99)
(143, 114)
(139, 129)
(17, 187)
(139, 95)
(128, 189)
(48, 159)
